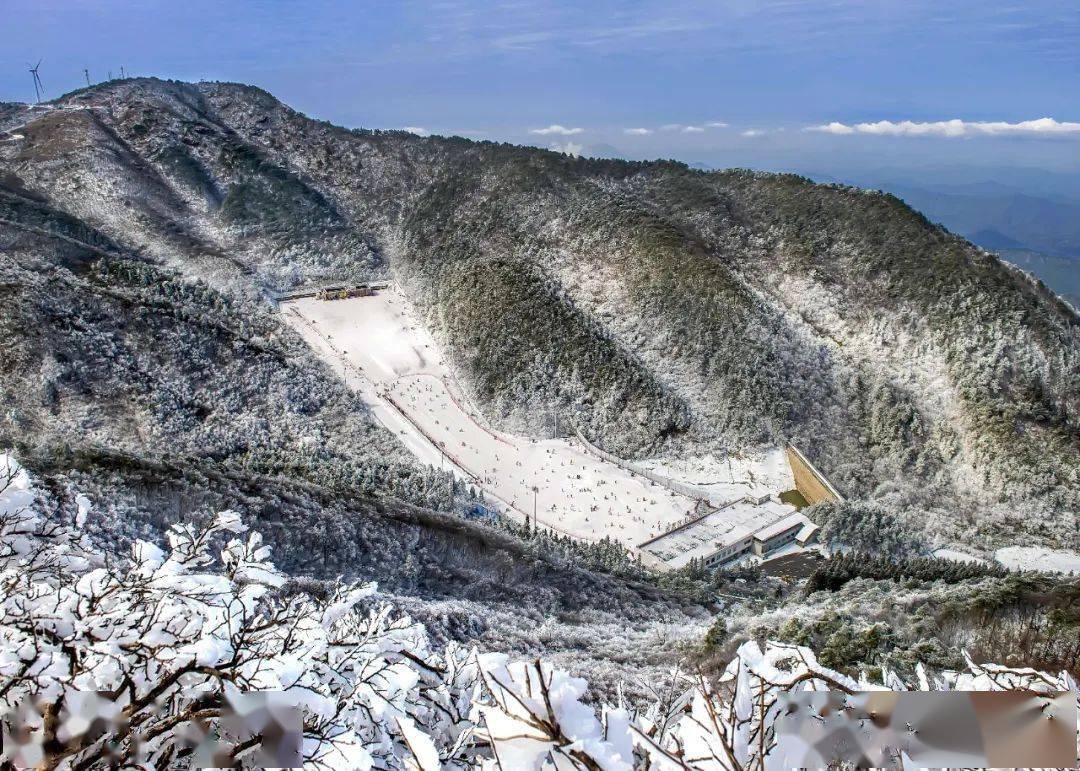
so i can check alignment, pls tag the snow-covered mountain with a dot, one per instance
(225, 660)
(661, 309)
(663, 312)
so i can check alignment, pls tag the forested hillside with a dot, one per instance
(227, 660)
(166, 399)
(658, 309)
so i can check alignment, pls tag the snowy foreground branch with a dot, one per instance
(203, 655)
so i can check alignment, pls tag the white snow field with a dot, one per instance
(1038, 558)
(723, 480)
(381, 349)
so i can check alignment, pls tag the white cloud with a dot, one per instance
(637, 132)
(555, 128)
(569, 148)
(680, 127)
(951, 128)
(753, 133)
(420, 131)
(833, 128)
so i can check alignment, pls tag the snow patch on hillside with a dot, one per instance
(381, 349)
(1038, 558)
(729, 478)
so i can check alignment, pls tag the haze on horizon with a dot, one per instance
(847, 90)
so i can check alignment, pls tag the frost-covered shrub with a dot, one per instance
(159, 644)
(868, 528)
(164, 639)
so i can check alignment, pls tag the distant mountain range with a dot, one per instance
(1062, 274)
(1032, 219)
(1001, 219)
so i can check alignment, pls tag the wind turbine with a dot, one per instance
(38, 88)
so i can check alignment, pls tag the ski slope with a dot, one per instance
(381, 349)
(727, 479)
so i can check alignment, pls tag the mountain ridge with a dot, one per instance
(660, 309)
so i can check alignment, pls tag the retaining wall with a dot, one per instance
(810, 482)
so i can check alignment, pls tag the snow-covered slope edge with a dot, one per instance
(169, 642)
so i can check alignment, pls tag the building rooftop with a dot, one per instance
(794, 519)
(808, 529)
(727, 525)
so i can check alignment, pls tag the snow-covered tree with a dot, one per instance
(166, 641)
(147, 661)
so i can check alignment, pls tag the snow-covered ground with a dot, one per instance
(1022, 558)
(1038, 558)
(724, 480)
(382, 350)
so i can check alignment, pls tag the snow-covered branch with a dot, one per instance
(147, 662)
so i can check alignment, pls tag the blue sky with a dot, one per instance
(877, 80)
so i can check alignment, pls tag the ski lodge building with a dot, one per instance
(758, 526)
